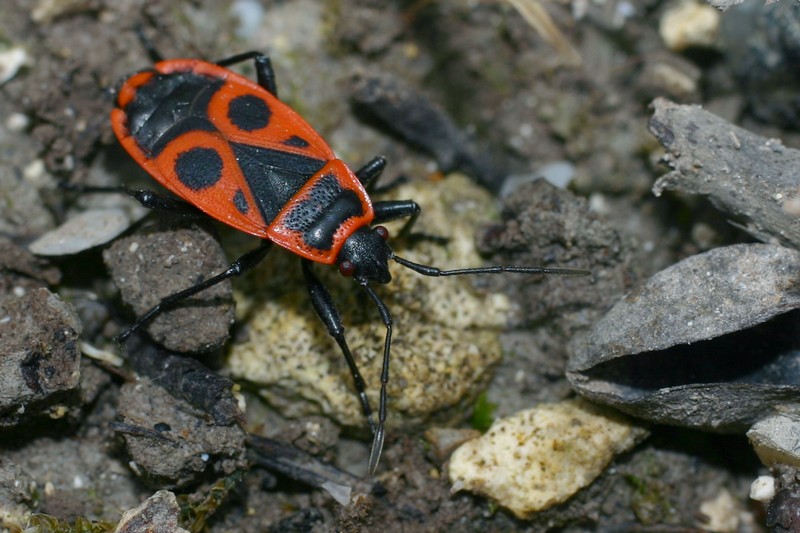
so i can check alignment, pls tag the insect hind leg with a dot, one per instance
(237, 268)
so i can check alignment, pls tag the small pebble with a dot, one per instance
(721, 513)
(158, 513)
(11, 61)
(774, 439)
(17, 122)
(540, 457)
(689, 24)
(86, 230)
(762, 489)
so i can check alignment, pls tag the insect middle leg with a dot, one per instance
(368, 174)
(146, 197)
(388, 210)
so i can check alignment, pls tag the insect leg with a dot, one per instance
(399, 180)
(147, 44)
(237, 268)
(264, 72)
(149, 199)
(368, 174)
(329, 315)
(394, 209)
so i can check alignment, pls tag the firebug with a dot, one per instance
(229, 147)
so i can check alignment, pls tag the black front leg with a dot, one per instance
(329, 315)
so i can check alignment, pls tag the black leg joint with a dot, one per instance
(394, 209)
(369, 173)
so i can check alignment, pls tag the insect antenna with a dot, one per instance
(427, 270)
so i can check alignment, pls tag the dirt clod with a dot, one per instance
(39, 354)
(162, 260)
(172, 443)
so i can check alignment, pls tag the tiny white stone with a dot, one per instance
(249, 13)
(34, 171)
(11, 61)
(688, 23)
(17, 121)
(762, 489)
(721, 512)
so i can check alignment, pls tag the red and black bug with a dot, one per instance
(229, 147)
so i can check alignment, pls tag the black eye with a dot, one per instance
(382, 232)
(346, 268)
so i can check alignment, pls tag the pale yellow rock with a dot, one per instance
(540, 457)
(689, 23)
(445, 337)
(722, 513)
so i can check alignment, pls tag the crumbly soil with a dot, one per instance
(499, 101)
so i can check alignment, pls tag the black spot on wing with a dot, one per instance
(249, 112)
(240, 202)
(327, 207)
(297, 142)
(199, 168)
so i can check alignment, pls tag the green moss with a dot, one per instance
(483, 413)
(194, 516)
(650, 501)
(45, 524)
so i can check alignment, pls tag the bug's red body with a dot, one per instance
(226, 145)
